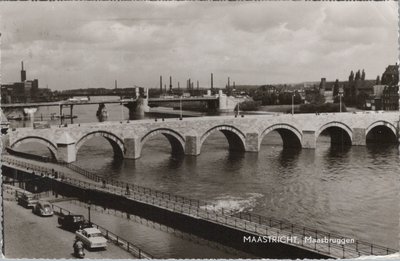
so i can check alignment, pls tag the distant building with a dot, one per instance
(20, 92)
(390, 98)
(386, 95)
(390, 95)
(391, 75)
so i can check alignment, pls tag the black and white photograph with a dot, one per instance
(200, 129)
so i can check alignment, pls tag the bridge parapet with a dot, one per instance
(187, 135)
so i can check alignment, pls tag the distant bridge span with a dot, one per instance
(106, 101)
(243, 133)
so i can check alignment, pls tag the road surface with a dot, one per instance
(29, 236)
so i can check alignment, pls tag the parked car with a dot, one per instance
(43, 208)
(27, 199)
(73, 222)
(91, 238)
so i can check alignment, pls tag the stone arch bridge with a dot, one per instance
(243, 133)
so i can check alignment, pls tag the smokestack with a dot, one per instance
(23, 72)
(189, 84)
(233, 84)
(229, 82)
(197, 85)
(165, 88)
(179, 87)
(116, 86)
(212, 81)
(161, 91)
(170, 84)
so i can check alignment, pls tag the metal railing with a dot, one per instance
(111, 185)
(251, 223)
(119, 241)
(358, 247)
(153, 224)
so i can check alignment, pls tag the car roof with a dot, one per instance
(74, 215)
(42, 202)
(91, 230)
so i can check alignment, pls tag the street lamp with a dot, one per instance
(292, 103)
(340, 98)
(122, 112)
(89, 211)
(180, 106)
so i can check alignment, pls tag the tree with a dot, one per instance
(319, 98)
(361, 100)
(351, 77)
(378, 80)
(336, 88)
(363, 75)
(358, 75)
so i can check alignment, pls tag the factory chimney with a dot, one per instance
(212, 81)
(23, 72)
(161, 90)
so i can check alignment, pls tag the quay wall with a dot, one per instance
(228, 236)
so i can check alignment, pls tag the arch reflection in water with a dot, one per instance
(288, 157)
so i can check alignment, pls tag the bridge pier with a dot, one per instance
(132, 148)
(252, 142)
(309, 139)
(66, 150)
(359, 137)
(192, 145)
(137, 108)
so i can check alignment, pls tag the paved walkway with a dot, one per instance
(29, 236)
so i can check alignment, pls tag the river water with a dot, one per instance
(350, 191)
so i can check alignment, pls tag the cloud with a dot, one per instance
(81, 44)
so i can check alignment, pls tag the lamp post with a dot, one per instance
(340, 98)
(180, 106)
(89, 212)
(292, 103)
(122, 112)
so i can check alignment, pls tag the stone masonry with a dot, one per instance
(188, 135)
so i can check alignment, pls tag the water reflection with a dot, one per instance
(288, 157)
(175, 161)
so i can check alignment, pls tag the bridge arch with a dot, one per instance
(235, 137)
(381, 131)
(340, 133)
(116, 143)
(290, 135)
(50, 145)
(176, 140)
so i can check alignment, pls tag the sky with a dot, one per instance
(69, 45)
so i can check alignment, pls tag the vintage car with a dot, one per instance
(73, 222)
(27, 199)
(91, 238)
(43, 208)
